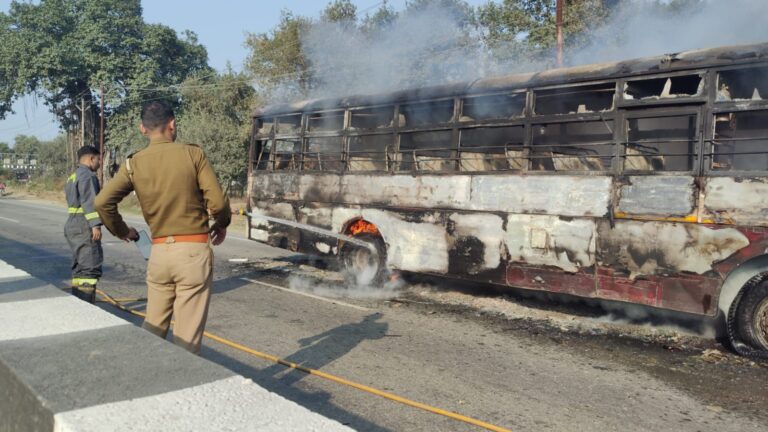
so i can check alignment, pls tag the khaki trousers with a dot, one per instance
(179, 279)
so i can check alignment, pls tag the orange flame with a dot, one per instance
(362, 227)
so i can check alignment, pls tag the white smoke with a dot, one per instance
(350, 289)
(428, 47)
(638, 29)
(419, 48)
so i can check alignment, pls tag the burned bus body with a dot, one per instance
(643, 181)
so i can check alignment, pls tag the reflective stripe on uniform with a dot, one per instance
(76, 210)
(81, 281)
(90, 216)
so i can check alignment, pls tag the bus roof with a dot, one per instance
(710, 57)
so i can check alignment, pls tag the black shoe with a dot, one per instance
(85, 292)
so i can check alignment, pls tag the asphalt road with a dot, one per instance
(515, 373)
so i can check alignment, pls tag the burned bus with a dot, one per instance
(642, 181)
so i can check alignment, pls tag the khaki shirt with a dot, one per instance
(176, 188)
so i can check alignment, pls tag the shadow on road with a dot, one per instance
(317, 351)
(320, 350)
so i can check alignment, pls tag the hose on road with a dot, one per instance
(315, 372)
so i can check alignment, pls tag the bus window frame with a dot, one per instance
(533, 96)
(655, 112)
(704, 106)
(725, 108)
(703, 98)
(609, 118)
(306, 135)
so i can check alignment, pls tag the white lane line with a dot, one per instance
(288, 290)
(9, 219)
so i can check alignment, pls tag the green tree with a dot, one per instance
(277, 60)
(26, 144)
(379, 21)
(216, 114)
(527, 29)
(5, 148)
(64, 50)
(340, 11)
(52, 156)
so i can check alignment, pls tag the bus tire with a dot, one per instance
(752, 317)
(360, 266)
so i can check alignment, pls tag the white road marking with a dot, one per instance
(9, 271)
(52, 316)
(332, 301)
(9, 219)
(234, 403)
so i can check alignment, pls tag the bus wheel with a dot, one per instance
(361, 266)
(752, 318)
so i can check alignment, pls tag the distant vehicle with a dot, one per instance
(643, 181)
(22, 176)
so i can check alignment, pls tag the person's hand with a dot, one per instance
(96, 233)
(131, 236)
(218, 235)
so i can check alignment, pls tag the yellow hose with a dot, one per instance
(327, 376)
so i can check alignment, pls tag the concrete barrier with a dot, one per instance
(66, 365)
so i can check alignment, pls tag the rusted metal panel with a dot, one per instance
(567, 244)
(681, 292)
(551, 279)
(734, 200)
(658, 196)
(552, 195)
(665, 248)
(613, 285)
(758, 246)
(690, 293)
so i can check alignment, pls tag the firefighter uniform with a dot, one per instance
(87, 256)
(177, 190)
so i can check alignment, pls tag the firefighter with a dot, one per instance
(83, 227)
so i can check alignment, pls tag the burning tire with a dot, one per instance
(751, 317)
(363, 267)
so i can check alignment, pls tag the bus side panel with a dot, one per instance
(664, 264)
(736, 200)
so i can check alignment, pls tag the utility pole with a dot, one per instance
(559, 16)
(82, 121)
(101, 138)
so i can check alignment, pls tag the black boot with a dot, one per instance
(84, 290)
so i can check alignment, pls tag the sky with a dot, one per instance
(221, 27)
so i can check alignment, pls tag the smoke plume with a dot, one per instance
(428, 47)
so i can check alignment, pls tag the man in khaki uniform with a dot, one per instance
(177, 190)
